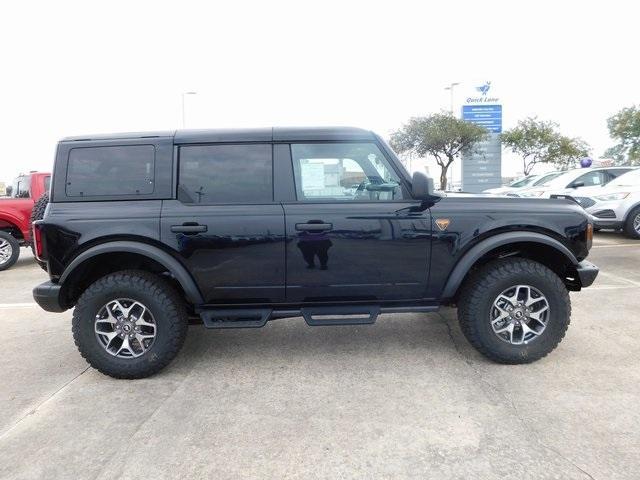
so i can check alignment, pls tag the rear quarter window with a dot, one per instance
(111, 171)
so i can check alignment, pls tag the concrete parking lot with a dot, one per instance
(404, 398)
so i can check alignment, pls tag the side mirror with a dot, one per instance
(422, 186)
(577, 184)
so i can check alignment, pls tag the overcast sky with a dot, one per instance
(81, 67)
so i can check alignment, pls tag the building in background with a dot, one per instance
(482, 167)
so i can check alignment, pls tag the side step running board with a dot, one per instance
(314, 316)
(351, 315)
(235, 318)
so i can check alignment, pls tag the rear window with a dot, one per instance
(110, 171)
(21, 187)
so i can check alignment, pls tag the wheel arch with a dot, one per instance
(532, 245)
(10, 224)
(109, 257)
(631, 209)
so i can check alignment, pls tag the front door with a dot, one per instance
(353, 234)
(225, 225)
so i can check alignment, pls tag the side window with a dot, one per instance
(589, 179)
(211, 174)
(22, 191)
(105, 171)
(617, 172)
(343, 172)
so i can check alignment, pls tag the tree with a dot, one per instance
(440, 135)
(616, 153)
(567, 151)
(624, 127)
(538, 141)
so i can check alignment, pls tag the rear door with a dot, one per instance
(225, 225)
(353, 231)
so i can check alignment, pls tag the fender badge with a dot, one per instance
(442, 223)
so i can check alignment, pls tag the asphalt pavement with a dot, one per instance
(404, 398)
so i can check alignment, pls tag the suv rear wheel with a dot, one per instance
(632, 224)
(129, 324)
(9, 250)
(514, 310)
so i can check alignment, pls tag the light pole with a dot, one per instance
(450, 88)
(184, 121)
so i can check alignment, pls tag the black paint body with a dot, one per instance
(384, 252)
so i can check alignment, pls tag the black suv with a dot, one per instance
(147, 232)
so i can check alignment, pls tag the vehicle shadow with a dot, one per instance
(292, 341)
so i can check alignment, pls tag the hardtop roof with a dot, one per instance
(277, 134)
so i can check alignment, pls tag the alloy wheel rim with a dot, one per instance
(636, 223)
(5, 251)
(125, 328)
(520, 314)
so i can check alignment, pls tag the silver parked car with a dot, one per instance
(523, 182)
(615, 205)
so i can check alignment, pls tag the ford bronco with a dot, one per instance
(148, 232)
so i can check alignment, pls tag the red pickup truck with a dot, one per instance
(15, 214)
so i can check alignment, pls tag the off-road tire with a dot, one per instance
(483, 287)
(15, 250)
(161, 299)
(37, 213)
(628, 224)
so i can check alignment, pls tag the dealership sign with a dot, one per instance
(482, 167)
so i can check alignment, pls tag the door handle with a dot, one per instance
(313, 227)
(189, 228)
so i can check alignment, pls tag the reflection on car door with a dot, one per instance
(353, 234)
(224, 224)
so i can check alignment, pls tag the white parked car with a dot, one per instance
(573, 181)
(616, 205)
(519, 183)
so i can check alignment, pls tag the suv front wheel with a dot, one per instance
(129, 324)
(632, 223)
(514, 310)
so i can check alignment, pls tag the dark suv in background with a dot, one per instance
(237, 227)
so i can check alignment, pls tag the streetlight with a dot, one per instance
(184, 122)
(450, 88)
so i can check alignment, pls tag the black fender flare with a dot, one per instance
(179, 272)
(475, 253)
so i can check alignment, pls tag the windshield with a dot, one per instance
(522, 182)
(629, 179)
(547, 178)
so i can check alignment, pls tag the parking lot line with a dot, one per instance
(612, 287)
(620, 279)
(611, 245)
(18, 305)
